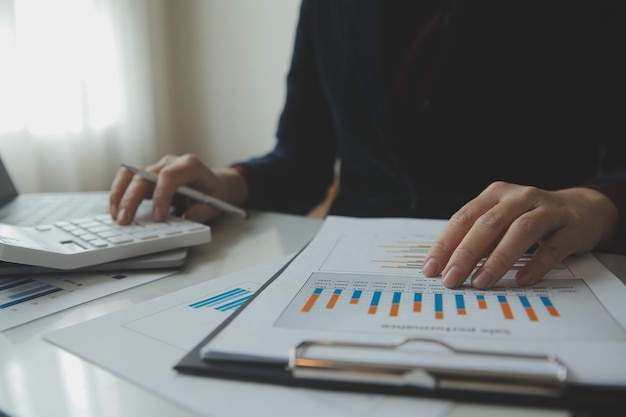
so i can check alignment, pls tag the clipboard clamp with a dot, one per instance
(438, 367)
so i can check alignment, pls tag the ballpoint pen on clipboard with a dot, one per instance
(194, 194)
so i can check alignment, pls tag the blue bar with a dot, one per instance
(502, 298)
(439, 303)
(357, 294)
(24, 287)
(32, 297)
(546, 301)
(15, 283)
(524, 301)
(31, 291)
(233, 304)
(417, 298)
(218, 298)
(460, 302)
(337, 292)
(375, 298)
(396, 297)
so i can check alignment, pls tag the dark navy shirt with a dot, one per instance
(528, 92)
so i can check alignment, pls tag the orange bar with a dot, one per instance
(310, 302)
(439, 315)
(461, 312)
(482, 303)
(506, 310)
(356, 296)
(553, 311)
(372, 310)
(417, 307)
(332, 301)
(531, 314)
(394, 310)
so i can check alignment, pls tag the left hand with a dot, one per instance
(506, 220)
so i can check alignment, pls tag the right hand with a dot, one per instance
(128, 190)
(505, 220)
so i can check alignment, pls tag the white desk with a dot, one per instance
(40, 379)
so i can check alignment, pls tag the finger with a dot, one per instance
(137, 190)
(548, 254)
(173, 172)
(118, 188)
(523, 233)
(163, 194)
(455, 230)
(485, 235)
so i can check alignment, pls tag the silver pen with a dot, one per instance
(191, 193)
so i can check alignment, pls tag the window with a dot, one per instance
(60, 71)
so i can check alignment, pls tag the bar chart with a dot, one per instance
(16, 291)
(27, 297)
(181, 324)
(225, 301)
(455, 302)
(417, 305)
(398, 255)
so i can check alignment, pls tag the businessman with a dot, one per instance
(503, 117)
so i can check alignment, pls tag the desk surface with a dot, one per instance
(29, 365)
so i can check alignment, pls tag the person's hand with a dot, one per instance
(506, 220)
(128, 190)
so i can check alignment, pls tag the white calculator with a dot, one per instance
(88, 241)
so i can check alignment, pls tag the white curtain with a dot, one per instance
(83, 87)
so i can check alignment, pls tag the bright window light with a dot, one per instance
(60, 71)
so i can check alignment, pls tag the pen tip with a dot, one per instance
(128, 167)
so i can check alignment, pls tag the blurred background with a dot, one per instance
(88, 84)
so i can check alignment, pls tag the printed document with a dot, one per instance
(360, 280)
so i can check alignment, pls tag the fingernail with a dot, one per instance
(157, 214)
(483, 279)
(431, 267)
(121, 215)
(113, 212)
(453, 278)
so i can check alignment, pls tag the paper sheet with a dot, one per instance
(28, 297)
(360, 280)
(152, 336)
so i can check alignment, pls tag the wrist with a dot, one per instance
(602, 210)
(235, 186)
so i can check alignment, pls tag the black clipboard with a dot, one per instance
(306, 371)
